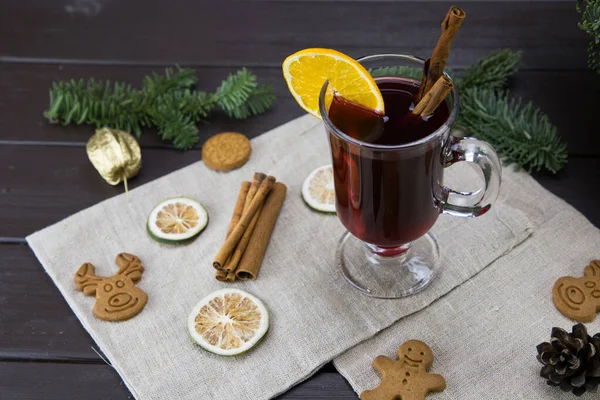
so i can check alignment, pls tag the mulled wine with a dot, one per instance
(387, 197)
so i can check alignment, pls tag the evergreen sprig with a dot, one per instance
(491, 72)
(521, 133)
(168, 102)
(234, 91)
(590, 24)
(259, 100)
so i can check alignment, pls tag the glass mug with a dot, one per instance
(389, 196)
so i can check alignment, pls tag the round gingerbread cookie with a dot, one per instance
(226, 151)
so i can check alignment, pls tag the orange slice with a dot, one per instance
(307, 70)
(176, 220)
(228, 322)
(318, 189)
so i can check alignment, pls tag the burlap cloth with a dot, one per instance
(315, 314)
(484, 332)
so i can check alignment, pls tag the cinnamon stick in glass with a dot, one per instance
(434, 97)
(231, 242)
(252, 258)
(437, 62)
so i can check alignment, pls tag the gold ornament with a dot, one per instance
(115, 154)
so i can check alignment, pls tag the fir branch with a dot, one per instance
(177, 127)
(234, 91)
(97, 103)
(521, 133)
(590, 24)
(196, 104)
(166, 101)
(259, 101)
(491, 72)
(182, 78)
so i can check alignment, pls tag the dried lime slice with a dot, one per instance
(177, 220)
(318, 190)
(228, 322)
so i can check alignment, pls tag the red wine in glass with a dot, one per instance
(387, 198)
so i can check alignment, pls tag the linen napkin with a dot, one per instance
(315, 314)
(484, 333)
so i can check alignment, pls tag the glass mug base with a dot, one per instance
(388, 277)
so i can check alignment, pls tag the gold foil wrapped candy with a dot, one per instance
(115, 154)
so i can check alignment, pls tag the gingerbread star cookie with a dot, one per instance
(117, 297)
(226, 151)
(406, 378)
(579, 298)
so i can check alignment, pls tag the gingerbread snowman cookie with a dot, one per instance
(406, 378)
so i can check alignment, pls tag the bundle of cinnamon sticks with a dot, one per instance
(435, 86)
(249, 233)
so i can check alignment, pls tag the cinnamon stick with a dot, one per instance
(235, 218)
(239, 207)
(231, 242)
(235, 258)
(233, 261)
(434, 97)
(224, 276)
(252, 258)
(257, 179)
(230, 276)
(453, 20)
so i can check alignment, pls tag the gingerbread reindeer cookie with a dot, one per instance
(117, 297)
(406, 378)
(579, 298)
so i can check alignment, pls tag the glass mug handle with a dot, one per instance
(473, 204)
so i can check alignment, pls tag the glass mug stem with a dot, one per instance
(393, 251)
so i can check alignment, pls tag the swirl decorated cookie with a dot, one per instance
(579, 298)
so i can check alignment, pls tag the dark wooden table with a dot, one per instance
(45, 175)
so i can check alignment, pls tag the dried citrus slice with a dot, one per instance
(307, 70)
(228, 322)
(318, 190)
(177, 220)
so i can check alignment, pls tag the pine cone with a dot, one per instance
(571, 360)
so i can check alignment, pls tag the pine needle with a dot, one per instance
(522, 134)
(590, 24)
(260, 100)
(167, 101)
(491, 72)
(234, 91)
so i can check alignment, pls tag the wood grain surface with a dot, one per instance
(45, 175)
